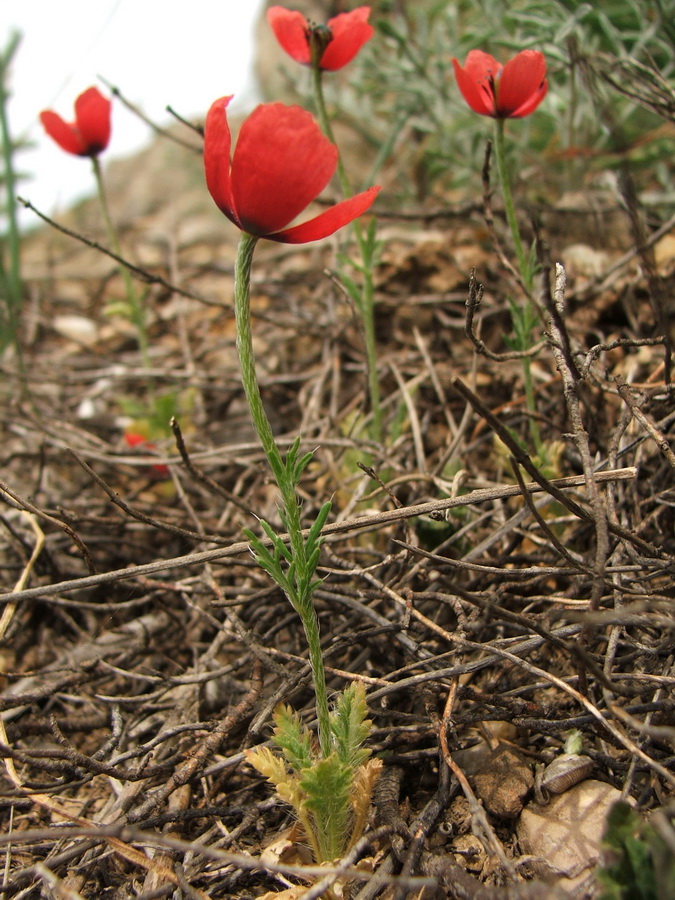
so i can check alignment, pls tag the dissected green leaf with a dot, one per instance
(330, 796)
(628, 873)
(327, 786)
(349, 725)
(349, 284)
(315, 531)
(288, 789)
(264, 761)
(361, 795)
(117, 308)
(293, 738)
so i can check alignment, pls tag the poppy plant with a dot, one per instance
(89, 134)
(503, 92)
(328, 47)
(281, 163)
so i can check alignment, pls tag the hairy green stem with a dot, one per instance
(242, 311)
(11, 275)
(509, 208)
(366, 307)
(299, 589)
(524, 328)
(134, 301)
(326, 127)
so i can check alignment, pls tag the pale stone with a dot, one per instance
(76, 328)
(564, 836)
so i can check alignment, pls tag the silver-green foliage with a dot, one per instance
(405, 82)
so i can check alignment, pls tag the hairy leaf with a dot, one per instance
(362, 792)
(349, 725)
(628, 873)
(327, 786)
(292, 738)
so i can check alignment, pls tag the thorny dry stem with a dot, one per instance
(473, 302)
(432, 508)
(480, 823)
(140, 273)
(562, 352)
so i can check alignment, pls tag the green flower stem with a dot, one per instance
(326, 127)
(310, 622)
(298, 586)
(242, 311)
(135, 303)
(509, 208)
(11, 277)
(535, 434)
(367, 305)
(368, 317)
(524, 328)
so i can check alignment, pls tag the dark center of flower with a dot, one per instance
(490, 83)
(318, 38)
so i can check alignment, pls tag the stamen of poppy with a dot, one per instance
(318, 38)
(494, 85)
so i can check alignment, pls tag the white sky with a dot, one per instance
(182, 53)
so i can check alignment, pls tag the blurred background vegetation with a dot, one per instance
(611, 97)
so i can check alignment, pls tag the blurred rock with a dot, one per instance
(564, 836)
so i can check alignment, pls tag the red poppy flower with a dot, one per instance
(89, 134)
(134, 439)
(335, 44)
(503, 92)
(281, 163)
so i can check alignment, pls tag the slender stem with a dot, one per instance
(370, 340)
(524, 327)
(11, 276)
(298, 590)
(310, 622)
(509, 208)
(572, 139)
(366, 306)
(327, 128)
(242, 312)
(135, 303)
(531, 405)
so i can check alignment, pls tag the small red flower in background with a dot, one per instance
(335, 44)
(134, 439)
(89, 134)
(503, 92)
(281, 163)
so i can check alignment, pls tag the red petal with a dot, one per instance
(476, 81)
(64, 134)
(327, 222)
(290, 29)
(522, 85)
(532, 103)
(134, 439)
(281, 162)
(350, 32)
(217, 143)
(92, 115)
